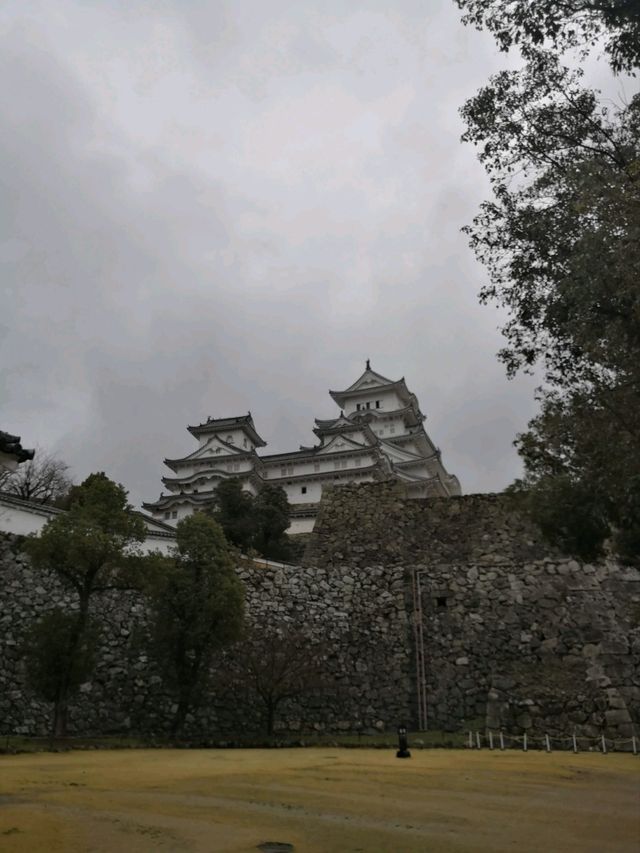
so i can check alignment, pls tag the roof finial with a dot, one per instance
(368, 364)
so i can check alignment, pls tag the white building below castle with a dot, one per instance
(378, 435)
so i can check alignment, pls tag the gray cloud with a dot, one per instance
(210, 208)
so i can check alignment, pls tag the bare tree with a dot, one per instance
(276, 662)
(43, 479)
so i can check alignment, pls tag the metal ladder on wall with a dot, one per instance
(418, 636)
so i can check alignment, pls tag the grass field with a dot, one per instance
(320, 800)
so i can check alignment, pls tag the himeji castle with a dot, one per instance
(378, 435)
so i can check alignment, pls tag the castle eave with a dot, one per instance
(214, 426)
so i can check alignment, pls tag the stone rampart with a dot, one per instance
(513, 633)
(453, 610)
(359, 618)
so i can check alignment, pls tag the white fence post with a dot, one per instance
(524, 742)
(604, 745)
(478, 740)
(501, 740)
(634, 746)
(546, 743)
(575, 742)
(490, 739)
(470, 740)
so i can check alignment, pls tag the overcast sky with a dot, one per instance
(211, 207)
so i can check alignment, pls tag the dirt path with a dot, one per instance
(319, 800)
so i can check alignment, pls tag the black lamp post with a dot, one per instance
(403, 745)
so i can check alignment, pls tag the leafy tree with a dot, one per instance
(570, 24)
(43, 479)
(250, 522)
(233, 511)
(57, 663)
(561, 241)
(276, 661)
(91, 549)
(271, 520)
(197, 609)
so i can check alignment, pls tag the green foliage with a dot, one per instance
(578, 24)
(583, 475)
(197, 609)
(561, 238)
(561, 241)
(568, 514)
(258, 523)
(234, 513)
(55, 661)
(271, 518)
(91, 549)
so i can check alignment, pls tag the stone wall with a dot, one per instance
(513, 634)
(360, 619)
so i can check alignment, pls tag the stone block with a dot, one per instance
(617, 717)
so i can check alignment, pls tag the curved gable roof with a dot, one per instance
(214, 425)
(368, 382)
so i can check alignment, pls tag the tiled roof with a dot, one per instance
(10, 444)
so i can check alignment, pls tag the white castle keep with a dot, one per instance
(378, 435)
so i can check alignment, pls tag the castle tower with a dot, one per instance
(226, 448)
(393, 415)
(378, 435)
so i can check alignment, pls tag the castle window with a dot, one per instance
(441, 602)
(377, 404)
(167, 515)
(174, 514)
(358, 407)
(303, 489)
(368, 405)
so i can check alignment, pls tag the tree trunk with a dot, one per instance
(184, 703)
(60, 708)
(271, 709)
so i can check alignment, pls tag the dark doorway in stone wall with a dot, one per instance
(441, 602)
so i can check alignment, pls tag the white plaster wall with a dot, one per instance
(237, 437)
(389, 401)
(389, 428)
(206, 479)
(295, 495)
(24, 521)
(301, 525)
(224, 461)
(21, 521)
(158, 543)
(357, 436)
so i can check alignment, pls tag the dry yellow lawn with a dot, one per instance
(319, 800)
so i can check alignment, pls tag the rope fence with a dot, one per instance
(498, 740)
